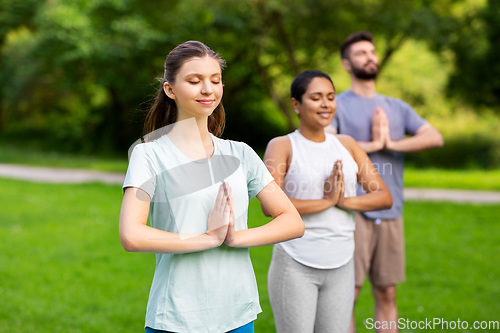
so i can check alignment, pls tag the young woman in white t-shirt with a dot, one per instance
(195, 189)
(311, 279)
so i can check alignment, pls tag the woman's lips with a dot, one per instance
(206, 101)
(324, 114)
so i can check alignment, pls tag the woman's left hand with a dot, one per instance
(231, 233)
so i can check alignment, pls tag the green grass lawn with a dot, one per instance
(62, 268)
(488, 180)
(15, 154)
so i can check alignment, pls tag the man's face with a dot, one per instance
(363, 60)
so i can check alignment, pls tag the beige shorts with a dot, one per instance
(379, 251)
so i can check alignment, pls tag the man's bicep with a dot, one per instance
(413, 121)
(425, 127)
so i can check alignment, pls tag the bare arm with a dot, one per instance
(277, 159)
(286, 224)
(137, 236)
(377, 195)
(426, 137)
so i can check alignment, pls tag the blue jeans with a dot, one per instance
(248, 328)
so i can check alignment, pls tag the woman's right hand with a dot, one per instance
(334, 184)
(219, 217)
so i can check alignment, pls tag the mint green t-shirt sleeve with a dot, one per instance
(140, 172)
(258, 176)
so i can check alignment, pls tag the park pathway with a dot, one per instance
(60, 175)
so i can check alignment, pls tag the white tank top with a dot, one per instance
(328, 241)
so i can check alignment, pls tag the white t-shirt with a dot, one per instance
(207, 291)
(328, 241)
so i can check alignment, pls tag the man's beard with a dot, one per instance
(363, 74)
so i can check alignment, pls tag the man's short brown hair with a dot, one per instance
(354, 38)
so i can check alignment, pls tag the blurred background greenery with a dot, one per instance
(77, 75)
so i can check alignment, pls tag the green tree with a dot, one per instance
(82, 71)
(13, 14)
(77, 72)
(275, 40)
(476, 46)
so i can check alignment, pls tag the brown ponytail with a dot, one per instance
(163, 112)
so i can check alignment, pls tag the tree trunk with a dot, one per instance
(277, 18)
(393, 45)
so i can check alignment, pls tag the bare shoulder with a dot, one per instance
(345, 139)
(279, 150)
(348, 142)
(281, 143)
(353, 148)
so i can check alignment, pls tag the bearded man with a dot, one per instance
(380, 125)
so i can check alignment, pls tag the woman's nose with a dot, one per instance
(206, 89)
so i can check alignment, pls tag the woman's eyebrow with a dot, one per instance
(320, 93)
(201, 75)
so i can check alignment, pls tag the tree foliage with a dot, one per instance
(476, 46)
(77, 71)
